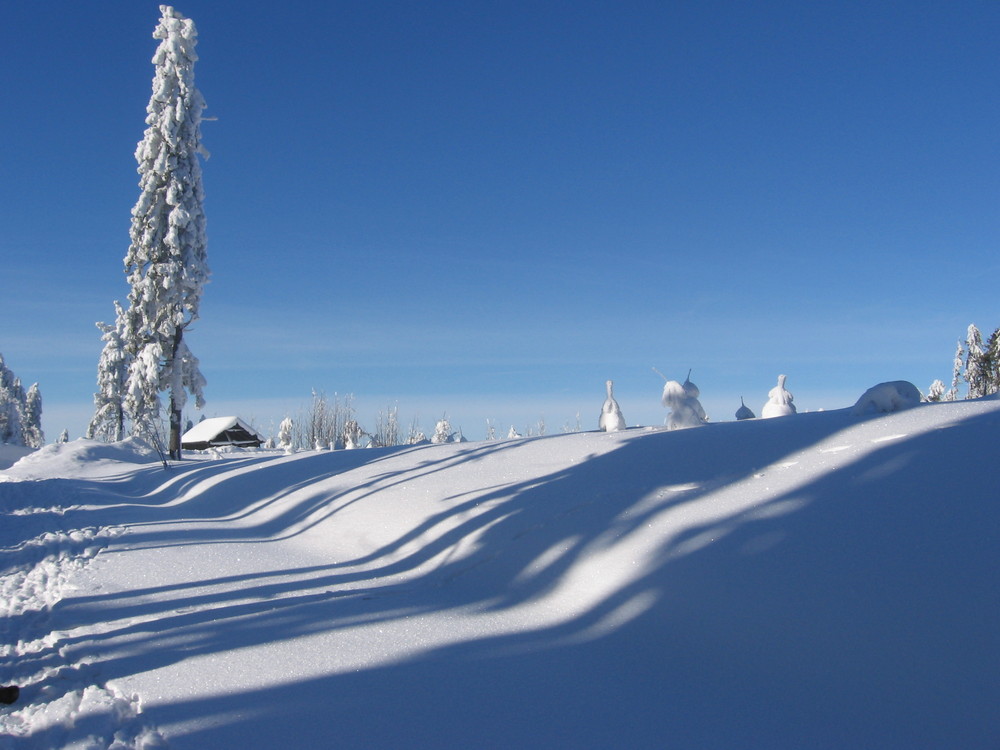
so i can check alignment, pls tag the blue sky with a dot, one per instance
(486, 209)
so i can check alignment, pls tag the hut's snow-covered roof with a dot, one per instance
(220, 431)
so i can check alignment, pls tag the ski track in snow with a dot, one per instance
(62, 704)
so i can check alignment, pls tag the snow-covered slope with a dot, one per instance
(816, 581)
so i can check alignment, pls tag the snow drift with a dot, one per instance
(821, 582)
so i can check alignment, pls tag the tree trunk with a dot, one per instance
(175, 412)
(175, 432)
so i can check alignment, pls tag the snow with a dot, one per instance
(826, 581)
(886, 397)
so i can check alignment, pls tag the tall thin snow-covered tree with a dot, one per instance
(166, 264)
(956, 374)
(991, 363)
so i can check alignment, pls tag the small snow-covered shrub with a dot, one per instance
(611, 419)
(887, 397)
(779, 401)
(443, 432)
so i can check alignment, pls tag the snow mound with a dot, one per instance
(81, 457)
(887, 397)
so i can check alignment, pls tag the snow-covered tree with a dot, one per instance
(443, 432)
(744, 412)
(685, 409)
(166, 263)
(108, 422)
(12, 406)
(31, 419)
(779, 401)
(956, 375)
(352, 434)
(63, 437)
(387, 430)
(611, 419)
(285, 435)
(936, 391)
(991, 362)
(20, 412)
(975, 374)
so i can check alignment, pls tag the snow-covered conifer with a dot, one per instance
(744, 412)
(779, 401)
(512, 433)
(936, 391)
(991, 363)
(63, 437)
(285, 435)
(685, 409)
(31, 419)
(166, 263)
(352, 435)
(611, 419)
(442, 431)
(956, 375)
(974, 360)
(108, 422)
(12, 406)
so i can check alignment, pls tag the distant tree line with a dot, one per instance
(976, 363)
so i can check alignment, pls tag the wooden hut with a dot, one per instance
(219, 432)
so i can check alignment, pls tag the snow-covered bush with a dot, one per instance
(779, 401)
(442, 431)
(887, 397)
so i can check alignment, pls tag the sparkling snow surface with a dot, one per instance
(820, 581)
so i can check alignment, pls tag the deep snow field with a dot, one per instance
(820, 580)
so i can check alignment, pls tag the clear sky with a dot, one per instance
(487, 209)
